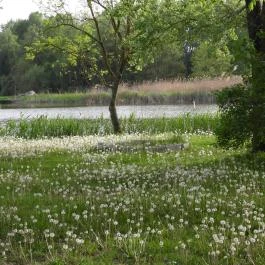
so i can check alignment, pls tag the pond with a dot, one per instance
(153, 111)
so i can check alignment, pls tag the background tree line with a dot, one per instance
(66, 63)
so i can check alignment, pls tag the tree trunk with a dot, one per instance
(256, 30)
(257, 101)
(112, 109)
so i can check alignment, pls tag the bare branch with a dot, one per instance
(100, 41)
(116, 27)
(100, 4)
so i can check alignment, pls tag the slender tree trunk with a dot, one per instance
(256, 30)
(112, 109)
(258, 104)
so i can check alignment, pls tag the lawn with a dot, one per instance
(63, 201)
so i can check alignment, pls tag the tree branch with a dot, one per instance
(74, 27)
(100, 41)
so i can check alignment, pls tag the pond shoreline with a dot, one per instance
(103, 98)
(94, 112)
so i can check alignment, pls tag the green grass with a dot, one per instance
(44, 127)
(103, 98)
(4, 98)
(53, 98)
(203, 205)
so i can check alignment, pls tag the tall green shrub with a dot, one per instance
(237, 123)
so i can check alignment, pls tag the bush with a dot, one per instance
(234, 128)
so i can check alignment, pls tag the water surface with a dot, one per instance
(96, 112)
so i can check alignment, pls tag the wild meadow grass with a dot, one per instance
(61, 204)
(43, 127)
(66, 199)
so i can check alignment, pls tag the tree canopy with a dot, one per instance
(62, 59)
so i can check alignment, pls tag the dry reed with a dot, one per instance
(183, 86)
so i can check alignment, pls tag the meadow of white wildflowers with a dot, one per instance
(63, 201)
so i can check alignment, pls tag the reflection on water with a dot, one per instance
(96, 112)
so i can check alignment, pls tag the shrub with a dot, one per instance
(234, 127)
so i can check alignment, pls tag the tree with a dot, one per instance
(212, 60)
(243, 106)
(62, 51)
(122, 16)
(64, 59)
(50, 70)
(9, 49)
(256, 29)
(196, 26)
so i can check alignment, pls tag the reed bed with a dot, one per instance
(125, 97)
(184, 86)
(145, 93)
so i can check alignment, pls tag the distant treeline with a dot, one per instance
(53, 71)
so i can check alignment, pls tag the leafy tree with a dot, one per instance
(67, 52)
(256, 29)
(167, 64)
(29, 76)
(123, 17)
(9, 49)
(66, 59)
(212, 60)
(48, 71)
(244, 106)
(195, 26)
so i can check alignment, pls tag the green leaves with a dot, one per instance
(252, 4)
(212, 60)
(234, 127)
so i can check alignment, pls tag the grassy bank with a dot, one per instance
(44, 127)
(146, 93)
(103, 98)
(6, 100)
(64, 205)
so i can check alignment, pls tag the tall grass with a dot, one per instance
(125, 97)
(43, 127)
(47, 98)
(183, 86)
(146, 93)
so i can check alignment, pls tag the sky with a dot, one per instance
(16, 9)
(20, 9)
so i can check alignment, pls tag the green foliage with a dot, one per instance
(65, 59)
(9, 50)
(234, 126)
(242, 50)
(211, 60)
(242, 113)
(243, 108)
(28, 76)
